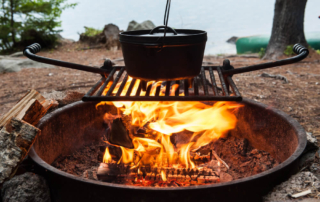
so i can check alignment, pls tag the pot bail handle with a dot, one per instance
(165, 27)
(165, 22)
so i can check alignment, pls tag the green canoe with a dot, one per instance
(253, 44)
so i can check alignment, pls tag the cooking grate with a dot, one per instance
(113, 84)
(112, 88)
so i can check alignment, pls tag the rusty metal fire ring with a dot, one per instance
(67, 187)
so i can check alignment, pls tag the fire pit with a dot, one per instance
(70, 128)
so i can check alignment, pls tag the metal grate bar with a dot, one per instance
(213, 82)
(139, 89)
(131, 87)
(204, 81)
(124, 81)
(115, 82)
(96, 86)
(148, 90)
(199, 93)
(195, 86)
(223, 83)
(178, 89)
(158, 91)
(106, 82)
(233, 86)
(186, 87)
(168, 88)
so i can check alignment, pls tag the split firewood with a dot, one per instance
(17, 133)
(30, 109)
(16, 139)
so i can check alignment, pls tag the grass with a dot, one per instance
(89, 31)
(262, 52)
(289, 51)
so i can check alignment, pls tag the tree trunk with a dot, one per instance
(287, 27)
(12, 23)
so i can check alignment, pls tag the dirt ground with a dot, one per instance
(300, 97)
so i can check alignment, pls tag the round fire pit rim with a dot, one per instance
(299, 150)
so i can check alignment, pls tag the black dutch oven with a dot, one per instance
(155, 55)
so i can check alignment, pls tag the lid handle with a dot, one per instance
(163, 27)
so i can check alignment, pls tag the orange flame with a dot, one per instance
(163, 176)
(207, 123)
(107, 157)
(185, 155)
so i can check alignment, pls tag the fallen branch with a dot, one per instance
(278, 76)
(91, 47)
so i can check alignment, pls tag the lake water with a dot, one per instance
(221, 19)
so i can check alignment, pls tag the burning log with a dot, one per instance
(119, 134)
(159, 176)
(16, 138)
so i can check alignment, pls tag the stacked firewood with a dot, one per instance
(18, 131)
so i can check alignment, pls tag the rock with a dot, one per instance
(133, 25)
(312, 142)
(109, 37)
(65, 41)
(11, 64)
(233, 40)
(93, 40)
(310, 151)
(111, 33)
(225, 177)
(62, 40)
(17, 54)
(301, 181)
(25, 188)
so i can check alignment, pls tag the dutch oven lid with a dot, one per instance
(157, 37)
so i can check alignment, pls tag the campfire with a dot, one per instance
(171, 144)
(166, 141)
(161, 124)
